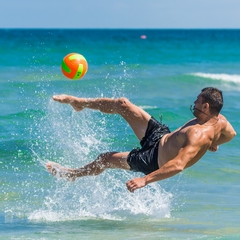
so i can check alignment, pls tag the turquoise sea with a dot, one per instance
(163, 74)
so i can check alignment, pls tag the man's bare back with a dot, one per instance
(176, 151)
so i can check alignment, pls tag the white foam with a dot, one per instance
(219, 76)
(96, 199)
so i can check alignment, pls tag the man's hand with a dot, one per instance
(213, 148)
(136, 183)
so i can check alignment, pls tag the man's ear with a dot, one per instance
(206, 106)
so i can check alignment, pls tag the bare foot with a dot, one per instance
(63, 98)
(60, 172)
(76, 103)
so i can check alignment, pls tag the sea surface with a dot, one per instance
(162, 71)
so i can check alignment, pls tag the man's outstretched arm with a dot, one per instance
(195, 148)
(168, 170)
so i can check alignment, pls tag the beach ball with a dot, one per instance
(74, 66)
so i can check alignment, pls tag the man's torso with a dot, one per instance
(171, 143)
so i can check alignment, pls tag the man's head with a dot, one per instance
(214, 98)
(208, 102)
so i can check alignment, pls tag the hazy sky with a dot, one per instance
(120, 14)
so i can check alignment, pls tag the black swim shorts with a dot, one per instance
(145, 159)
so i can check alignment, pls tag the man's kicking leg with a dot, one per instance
(136, 117)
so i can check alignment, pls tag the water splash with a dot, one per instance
(73, 139)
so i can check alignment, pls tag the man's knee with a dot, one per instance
(103, 160)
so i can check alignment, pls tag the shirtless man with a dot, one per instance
(163, 153)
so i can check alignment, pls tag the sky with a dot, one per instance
(171, 14)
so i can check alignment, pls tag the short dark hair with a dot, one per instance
(213, 97)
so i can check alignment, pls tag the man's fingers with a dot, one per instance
(136, 183)
(213, 148)
(131, 186)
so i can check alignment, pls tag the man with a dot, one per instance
(163, 154)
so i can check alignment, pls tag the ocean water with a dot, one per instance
(163, 74)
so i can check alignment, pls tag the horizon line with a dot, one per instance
(72, 28)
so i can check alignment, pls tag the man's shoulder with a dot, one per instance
(199, 134)
(223, 120)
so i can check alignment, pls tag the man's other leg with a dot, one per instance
(103, 162)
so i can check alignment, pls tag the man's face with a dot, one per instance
(198, 106)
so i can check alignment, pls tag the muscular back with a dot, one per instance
(191, 141)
